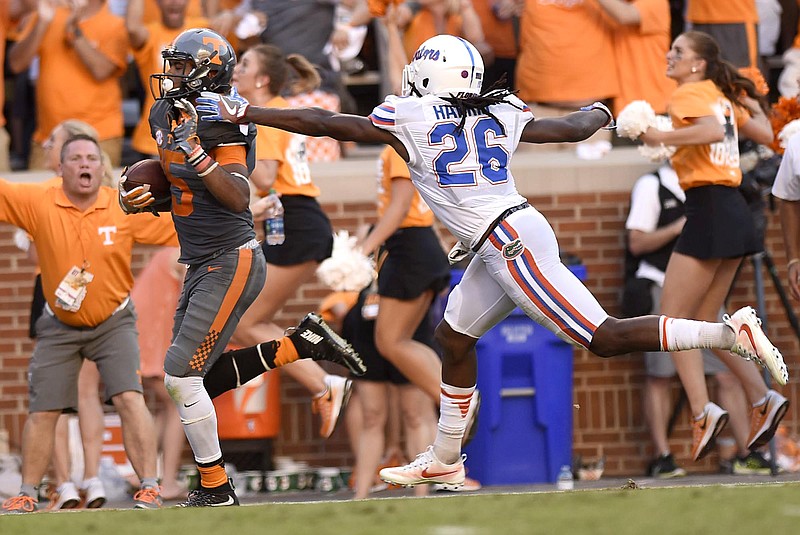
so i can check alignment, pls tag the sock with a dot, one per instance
(677, 334)
(285, 351)
(454, 404)
(149, 483)
(87, 482)
(760, 402)
(212, 475)
(29, 490)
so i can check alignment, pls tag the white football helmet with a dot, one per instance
(444, 65)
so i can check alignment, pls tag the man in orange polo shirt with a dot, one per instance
(84, 242)
(83, 51)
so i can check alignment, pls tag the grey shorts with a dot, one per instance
(215, 295)
(60, 349)
(660, 364)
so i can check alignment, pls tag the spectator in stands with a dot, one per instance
(500, 24)
(640, 48)
(654, 224)
(10, 12)
(83, 51)
(711, 105)
(84, 244)
(732, 24)
(261, 75)
(565, 57)
(147, 41)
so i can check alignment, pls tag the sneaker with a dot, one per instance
(472, 418)
(764, 419)
(753, 344)
(664, 467)
(706, 428)
(331, 404)
(148, 498)
(314, 339)
(64, 497)
(203, 497)
(752, 464)
(20, 504)
(470, 485)
(427, 468)
(93, 493)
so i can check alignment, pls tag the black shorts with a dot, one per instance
(719, 224)
(414, 262)
(309, 235)
(361, 334)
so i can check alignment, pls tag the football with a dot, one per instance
(149, 173)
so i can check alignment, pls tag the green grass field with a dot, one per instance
(709, 510)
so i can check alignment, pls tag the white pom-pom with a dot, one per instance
(660, 152)
(635, 119)
(788, 131)
(348, 269)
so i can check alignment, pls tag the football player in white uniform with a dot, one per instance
(458, 142)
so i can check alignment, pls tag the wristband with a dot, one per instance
(214, 164)
(791, 262)
(196, 156)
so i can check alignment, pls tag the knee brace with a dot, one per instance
(191, 398)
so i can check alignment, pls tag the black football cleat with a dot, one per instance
(314, 339)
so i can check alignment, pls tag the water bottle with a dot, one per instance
(565, 481)
(274, 224)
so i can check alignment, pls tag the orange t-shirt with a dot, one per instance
(498, 33)
(67, 90)
(641, 54)
(717, 163)
(155, 295)
(149, 61)
(393, 167)
(423, 26)
(722, 12)
(152, 13)
(100, 237)
(289, 150)
(565, 53)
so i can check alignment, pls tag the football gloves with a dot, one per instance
(137, 200)
(185, 134)
(230, 108)
(611, 124)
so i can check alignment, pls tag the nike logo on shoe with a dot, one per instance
(311, 337)
(427, 474)
(229, 501)
(745, 328)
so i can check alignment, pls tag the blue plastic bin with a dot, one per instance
(525, 422)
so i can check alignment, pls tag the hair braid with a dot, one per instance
(496, 94)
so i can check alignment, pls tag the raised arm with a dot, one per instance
(22, 53)
(309, 121)
(574, 127)
(134, 22)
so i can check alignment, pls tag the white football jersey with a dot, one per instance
(464, 178)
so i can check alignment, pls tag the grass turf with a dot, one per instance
(708, 510)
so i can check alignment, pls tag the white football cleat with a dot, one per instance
(427, 468)
(753, 344)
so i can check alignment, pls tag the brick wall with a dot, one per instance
(608, 391)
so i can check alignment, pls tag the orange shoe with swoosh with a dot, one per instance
(427, 468)
(753, 344)
(706, 428)
(765, 417)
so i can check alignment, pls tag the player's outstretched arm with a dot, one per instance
(574, 127)
(309, 121)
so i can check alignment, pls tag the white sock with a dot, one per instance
(453, 406)
(677, 334)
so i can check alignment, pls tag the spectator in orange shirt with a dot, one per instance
(500, 24)
(84, 243)
(732, 24)
(83, 51)
(640, 47)
(148, 39)
(565, 58)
